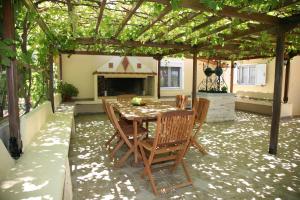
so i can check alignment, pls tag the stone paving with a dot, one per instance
(237, 167)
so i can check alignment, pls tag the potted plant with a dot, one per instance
(67, 91)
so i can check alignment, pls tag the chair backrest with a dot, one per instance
(200, 108)
(114, 121)
(174, 127)
(109, 112)
(181, 101)
(125, 97)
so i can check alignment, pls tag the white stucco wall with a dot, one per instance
(269, 86)
(78, 70)
(294, 86)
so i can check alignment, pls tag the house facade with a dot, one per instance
(95, 75)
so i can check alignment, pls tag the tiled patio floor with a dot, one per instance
(238, 166)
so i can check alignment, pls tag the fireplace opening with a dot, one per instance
(119, 86)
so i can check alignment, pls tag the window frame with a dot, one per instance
(240, 74)
(178, 63)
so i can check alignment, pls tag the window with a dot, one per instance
(251, 74)
(171, 74)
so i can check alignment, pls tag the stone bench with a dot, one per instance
(256, 102)
(42, 171)
(259, 102)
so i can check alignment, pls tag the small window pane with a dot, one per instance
(164, 77)
(175, 77)
(245, 75)
(252, 75)
(170, 76)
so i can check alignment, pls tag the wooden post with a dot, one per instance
(287, 81)
(15, 143)
(158, 58)
(231, 76)
(277, 92)
(194, 89)
(60, 67)
(51, 89)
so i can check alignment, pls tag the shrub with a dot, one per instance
(67, 90)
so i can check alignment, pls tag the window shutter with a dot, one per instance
(236, 74)
(260, 75)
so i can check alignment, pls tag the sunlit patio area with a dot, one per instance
(149, 99)
(237, 166)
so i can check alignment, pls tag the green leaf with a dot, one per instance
(175, 4)
(5, 61)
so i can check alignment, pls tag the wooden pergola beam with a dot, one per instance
(15, 142)
(51, 78)
(209, 21)
(226, 11)
(158, 58)
(238, 34)
(277, 92)
(100, 16)
(216, 30)
(30, 6)
(287, 81)
(128, 17)
(165, 11)
(90, 41)
(77, 52)
(194, 79)
(179, 23)
(214, 19)
(231, 75)
(71, 15)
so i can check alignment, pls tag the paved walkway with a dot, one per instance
(238, 166)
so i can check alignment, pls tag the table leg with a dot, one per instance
(135, 141)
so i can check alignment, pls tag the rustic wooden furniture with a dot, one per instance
(200, 108)
(181, 101)
(172, 138)
(139, 114)
(104, 104)
(126, 134)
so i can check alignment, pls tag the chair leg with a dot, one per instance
(187, 174)
(110, 139)
(147, 127)
(198, 146)
(116, 148)
(121, 162)
(147, 169)
(179, 158)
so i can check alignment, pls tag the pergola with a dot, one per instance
(157, 28)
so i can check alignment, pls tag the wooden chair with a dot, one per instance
(125, 133)
(181, 101)
(200, 108)
(104, 104)
(172, 137)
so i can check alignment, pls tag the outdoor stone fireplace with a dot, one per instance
(124, 75)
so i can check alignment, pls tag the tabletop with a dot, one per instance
(147, 111)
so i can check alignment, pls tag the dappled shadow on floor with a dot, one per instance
(237, 167)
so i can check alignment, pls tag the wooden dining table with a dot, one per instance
(139, 114)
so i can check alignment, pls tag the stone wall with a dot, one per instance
(221, 107)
